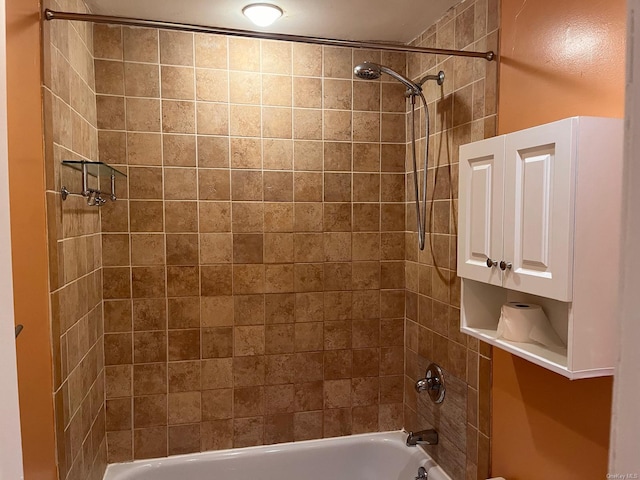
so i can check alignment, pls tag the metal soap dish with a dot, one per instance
(95, 169)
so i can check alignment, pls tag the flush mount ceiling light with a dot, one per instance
(262, 14)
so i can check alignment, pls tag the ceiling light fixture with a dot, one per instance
(262, 14)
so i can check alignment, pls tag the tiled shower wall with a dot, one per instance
(462, 111)
(74, 248)
(254, 268)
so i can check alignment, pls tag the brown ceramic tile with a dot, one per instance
(307, 60)
(246, 185)
(217, 404)
(244, 87)
(337, 125)
(184, 407)
(184, 344)
(246, 153)
(177, 82)
(276, 57)
(213, 152)
(109, 77)
(307, 124)
(244, 54)
(119, 446)
(147, 249)
(216, 435)
(212, 85)
(276, 90)
(179, 150)
(277, 154)
(216, 280)
(248, 340)
(118, 380)
(365, 419)
(147, 282)
(143, 115)
(116, 283)
(149, 379)
(248, 248)
(111, 112)
(150, 442)
(279, 369)
(141, 80)
(142, 149)
(212, 119)
(149, 411)
(248, 401)
(176, 48)
(217, 342)
(184, 376)
(119, 414)
(149, 314)
(178, 117)
(211, 51)
(280, 308)
(248, 432)
(307, 425)
(278, 428)
(217, 373)
(115, 250)
(149, 347)
(184, 439)
(337, 422)
(309, 396)
(107, 41)
(182, 249)
(140, 45)
(307, 92)
(248, 279)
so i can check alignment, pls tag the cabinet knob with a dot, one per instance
(491, 263)
(505, 265)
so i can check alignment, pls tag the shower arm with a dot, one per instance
(439, 78)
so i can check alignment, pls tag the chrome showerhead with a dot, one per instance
(368, 71)
(373, 71)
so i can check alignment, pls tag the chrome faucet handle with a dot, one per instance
(422, 474)
(433, 383)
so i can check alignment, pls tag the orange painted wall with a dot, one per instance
(29, 240)
(558, 59)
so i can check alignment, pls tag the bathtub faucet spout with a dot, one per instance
(424, 437)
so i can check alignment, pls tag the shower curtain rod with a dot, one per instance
(137, 22)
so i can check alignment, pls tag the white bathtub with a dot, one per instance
(377, 456)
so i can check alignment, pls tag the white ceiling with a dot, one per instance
(373, 20)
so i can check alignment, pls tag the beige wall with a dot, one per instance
(254, 276)
(75, 274)
(462, 111)
(559, 59)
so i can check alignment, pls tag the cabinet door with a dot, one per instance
(538, 215)
(480, 209)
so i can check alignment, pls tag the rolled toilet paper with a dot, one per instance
(526, 323)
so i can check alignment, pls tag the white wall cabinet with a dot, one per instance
(539, 222)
